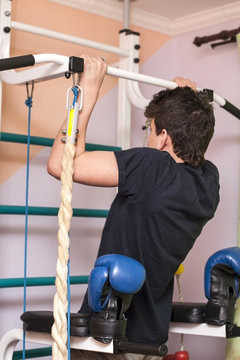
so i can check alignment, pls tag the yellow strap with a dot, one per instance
(180, 270)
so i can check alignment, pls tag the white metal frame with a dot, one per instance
(58, 65)
(198, 329)
(10, 340)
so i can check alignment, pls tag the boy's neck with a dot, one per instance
(168, 146)
(174, 156)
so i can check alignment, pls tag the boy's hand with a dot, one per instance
(185, 82)
(94, 72)
(91, 80)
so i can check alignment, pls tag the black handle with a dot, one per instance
(231, 109)
(16, 62)
(125, 346)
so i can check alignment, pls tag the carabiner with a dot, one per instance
(73, 112)
(80, 95)
(27, 84)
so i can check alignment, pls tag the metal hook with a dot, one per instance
(68, 105)
(73, 113)
(27, 87)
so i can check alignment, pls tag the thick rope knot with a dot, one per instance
(28, 102)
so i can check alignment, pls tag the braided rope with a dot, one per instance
(179, 288)
(181, 300)
(60, 303)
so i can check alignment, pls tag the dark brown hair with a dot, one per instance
(188, 118)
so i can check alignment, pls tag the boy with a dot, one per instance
(166, 193)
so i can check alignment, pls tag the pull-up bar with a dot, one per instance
(59, 65)
(62, 65)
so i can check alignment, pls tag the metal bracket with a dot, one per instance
(76, 64)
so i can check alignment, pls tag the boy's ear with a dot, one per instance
(163, 138)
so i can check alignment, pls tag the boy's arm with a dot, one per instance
(97, 168)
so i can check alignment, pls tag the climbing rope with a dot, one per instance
(60, 305)
(178, 274)
(60, 332)
(28, 103)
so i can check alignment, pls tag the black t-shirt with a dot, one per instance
(159, 211)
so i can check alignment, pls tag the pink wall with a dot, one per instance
(217, 69)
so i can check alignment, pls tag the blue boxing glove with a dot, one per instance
(222, 272)
(229, 259)
(118, 273)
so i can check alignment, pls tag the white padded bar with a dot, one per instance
(198, 329)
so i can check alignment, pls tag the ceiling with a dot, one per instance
(171, 17)
(173, 9)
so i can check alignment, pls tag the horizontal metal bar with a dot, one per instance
(50, 211)
(150, 80)
(44, 141)
(32, 353)
(47, 72)
(69, 38)
(40, 281)
(57, 66)
(23, 139)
